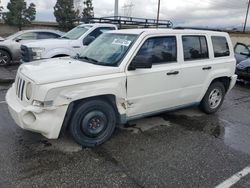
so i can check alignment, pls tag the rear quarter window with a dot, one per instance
(220, 46)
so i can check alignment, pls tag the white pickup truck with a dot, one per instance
(123, 75)
(69, 44)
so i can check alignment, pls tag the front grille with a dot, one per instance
(26, 54)
(20, 84)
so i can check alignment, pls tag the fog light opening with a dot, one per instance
(29, 118)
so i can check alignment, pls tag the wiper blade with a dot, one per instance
(88, 59)
(63, 37)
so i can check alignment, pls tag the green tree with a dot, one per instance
(88, 11)
(19, 15)
(65, 14)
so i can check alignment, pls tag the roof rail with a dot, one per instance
(124, 22)
(199, 28)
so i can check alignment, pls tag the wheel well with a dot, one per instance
(111, 99)
(6, 50)
(225, 80)
(61, 55)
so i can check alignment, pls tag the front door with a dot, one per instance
(158, 88)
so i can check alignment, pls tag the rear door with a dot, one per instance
(196, 66)
(158, 88)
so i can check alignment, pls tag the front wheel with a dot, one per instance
(93, 123)
(4, 58)
(213, 98)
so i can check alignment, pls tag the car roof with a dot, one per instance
(148, 31)
(42, 30)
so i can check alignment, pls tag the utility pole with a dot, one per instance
(158, 12)
(248, 6)
(116, 8)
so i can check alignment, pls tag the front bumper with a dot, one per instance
(47, 122)
(243, 74)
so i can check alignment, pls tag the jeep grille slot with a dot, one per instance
(20, 84)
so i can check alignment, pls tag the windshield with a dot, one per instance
(14, 35)
(76, 32)
(108, 49)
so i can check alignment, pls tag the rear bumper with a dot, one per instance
(47, 122)
(232, 82)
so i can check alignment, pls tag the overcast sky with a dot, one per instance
(215, 13)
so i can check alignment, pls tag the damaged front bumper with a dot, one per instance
(46, 121)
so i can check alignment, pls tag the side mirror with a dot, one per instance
(140, 63)
(18, 39)
(88, 40)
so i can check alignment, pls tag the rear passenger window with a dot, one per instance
(195, 47)
(158, 50)
(220, 46)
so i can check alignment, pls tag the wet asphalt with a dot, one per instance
(185, 148)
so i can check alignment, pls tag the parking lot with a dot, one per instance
(179, 149)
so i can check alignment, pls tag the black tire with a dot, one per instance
(93, 123)
(5, 58)
(213, 98)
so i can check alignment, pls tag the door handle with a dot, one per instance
(173, 73)
(206, 68)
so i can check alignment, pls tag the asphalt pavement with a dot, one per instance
(185, 148)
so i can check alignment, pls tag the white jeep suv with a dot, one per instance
(69, 44)
(123, 75)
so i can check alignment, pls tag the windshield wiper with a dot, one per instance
(93, 61)
(64, 37)
(88, 59)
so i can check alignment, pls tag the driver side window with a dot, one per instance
(158, 50)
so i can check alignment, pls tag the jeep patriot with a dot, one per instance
(121, 76)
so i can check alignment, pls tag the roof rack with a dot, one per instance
(198, 28)
(130, 22)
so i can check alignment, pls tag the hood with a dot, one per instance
(48, 43)
(1, 39)
(62, 69)
(245, 63)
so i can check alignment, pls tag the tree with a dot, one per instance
(88, 11)
(65, 14)
(19, 15)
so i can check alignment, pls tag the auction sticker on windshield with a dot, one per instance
(121, 42)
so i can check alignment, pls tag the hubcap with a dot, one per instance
(3, 59)
(215, 98)
(94, 123)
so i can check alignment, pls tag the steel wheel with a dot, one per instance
(215, 98)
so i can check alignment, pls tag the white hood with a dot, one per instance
(62, 69)
(46, 43)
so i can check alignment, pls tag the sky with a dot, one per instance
(202, 13)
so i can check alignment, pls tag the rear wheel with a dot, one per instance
(213, 98)
(93, 123)
(4, 58)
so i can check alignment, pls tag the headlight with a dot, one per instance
(37, 53)
(241, 67)
(28, 91)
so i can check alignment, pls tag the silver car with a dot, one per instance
(10, 47)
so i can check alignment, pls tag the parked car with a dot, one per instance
(242, 55)
(123, 75)
(10, 46)
(69, 44)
